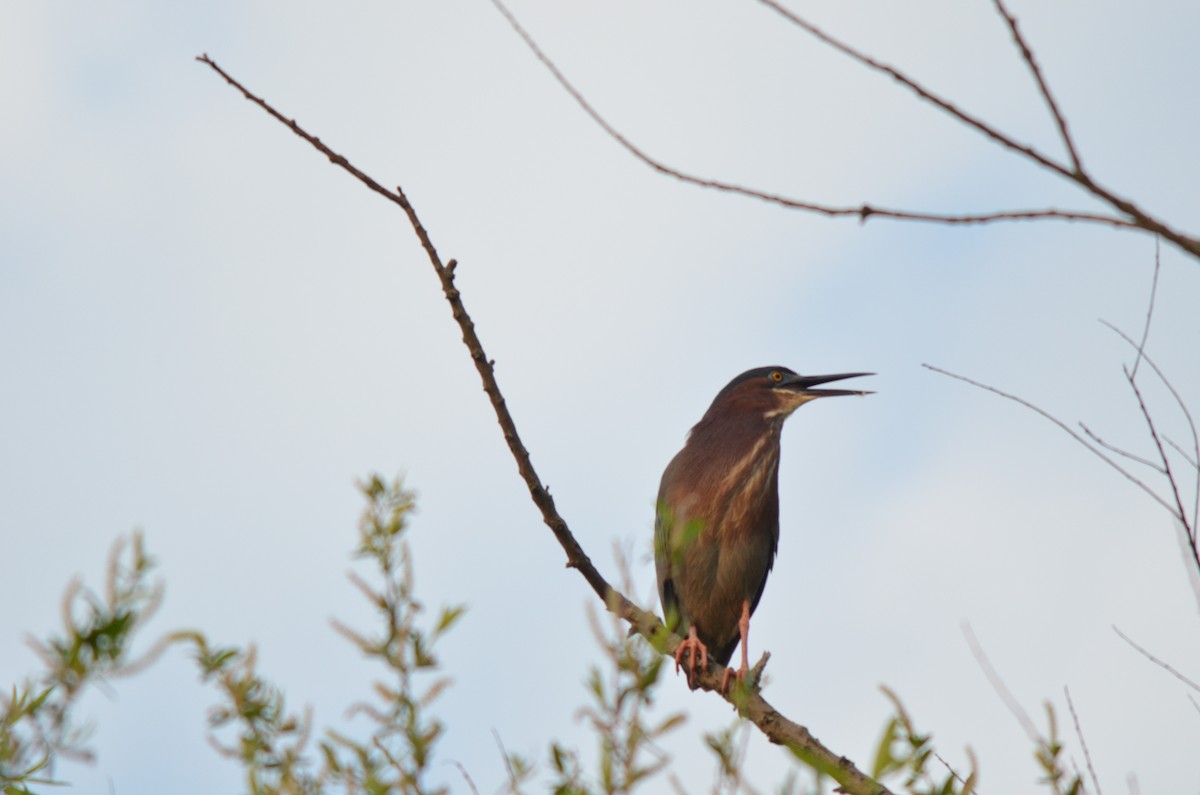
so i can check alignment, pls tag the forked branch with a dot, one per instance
(1174, 503)
(1043, 87)
(775, 726)
(1128, 215)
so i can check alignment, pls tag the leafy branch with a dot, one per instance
(271, 743)
(37, 722)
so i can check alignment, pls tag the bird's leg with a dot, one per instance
(691, 643)
(744, 629)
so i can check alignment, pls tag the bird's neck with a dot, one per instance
(740, 447)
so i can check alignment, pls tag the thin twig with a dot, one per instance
(508, 765)
(998, 685)
(920, 90)
(955, 773)
(1135, 214)
(466, 776)
(1114, 449)
(1179, 512)
(1186, 455)
(1066, 428)
(1141, 348)
(1165, 666)
(1043, 87)
(777, 728)
(862, 212)
(1187, 416)
(1087, 757)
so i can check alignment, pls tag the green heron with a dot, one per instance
(717, 526)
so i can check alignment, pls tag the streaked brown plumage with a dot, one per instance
(717, 527)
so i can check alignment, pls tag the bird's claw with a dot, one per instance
(693, 645)
(733, 673)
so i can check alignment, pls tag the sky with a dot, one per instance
(209, 333)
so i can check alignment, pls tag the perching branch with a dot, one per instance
(777, 728)
(1128, 215)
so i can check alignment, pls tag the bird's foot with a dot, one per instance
(740, 672)
(733, 673)
(693, 645)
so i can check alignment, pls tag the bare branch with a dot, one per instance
(512, 774)
(1141, 348)
(861, 212)
(1180, 513)
(998, 685)
(775, 726)
(466, 776)
(921, 91)
(1189, 530)
(1138, 218)
(576, 558)
(1082, 742)
(1135, 214)
(1177, 510)
(1186, 455)
(1134, 217)
(1095, 450)
(1113, 448)
(1157, 661)
(1031, 62)
(955, 773)
(1187, 416)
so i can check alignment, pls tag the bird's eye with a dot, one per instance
(777, 376)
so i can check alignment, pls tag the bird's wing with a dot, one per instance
(662, 564)
(770, 564)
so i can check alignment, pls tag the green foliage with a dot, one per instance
(724, 745)
(621, 690)
(23, 757)
(1048, 754)
(904, 753)
(253, 724)
(672, 538)
(271, 742)
(621, 698)
(396, 757)
(37, 725)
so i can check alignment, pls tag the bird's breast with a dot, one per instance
(733, 491)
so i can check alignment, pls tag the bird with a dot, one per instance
(717, 520)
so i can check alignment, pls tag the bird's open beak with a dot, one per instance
(803, 384)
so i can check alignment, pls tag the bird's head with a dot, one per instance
(774, 392)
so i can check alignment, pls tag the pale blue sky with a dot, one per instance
(210, 333)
